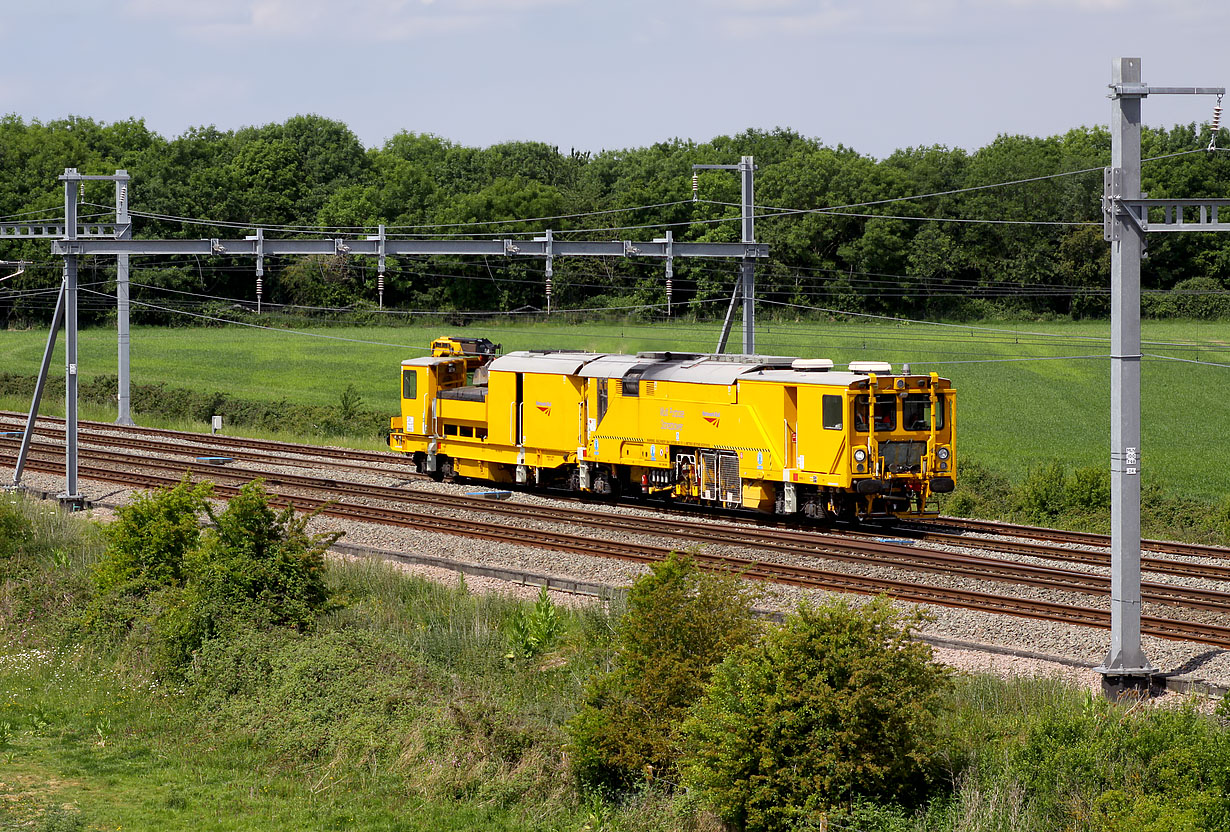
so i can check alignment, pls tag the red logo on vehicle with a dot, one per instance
(712, 418)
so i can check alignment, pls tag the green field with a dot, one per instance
(1013, 414)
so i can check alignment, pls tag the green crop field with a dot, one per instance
(1017, 405)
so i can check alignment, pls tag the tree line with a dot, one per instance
(965, 251)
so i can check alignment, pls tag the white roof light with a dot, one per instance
(870, 367)
(817, 364)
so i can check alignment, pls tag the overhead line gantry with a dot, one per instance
(72, 240)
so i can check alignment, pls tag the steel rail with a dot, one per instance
(1170, 547)
(806, 577)
(877, 553)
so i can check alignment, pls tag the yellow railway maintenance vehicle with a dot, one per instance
(774, 434)
(477, 351)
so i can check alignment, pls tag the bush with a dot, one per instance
(166, 586)
(680, 622)
(1088, 490)
(980, 491)
(1148, 770)
(149, 539)
(836, 705)
(1043, 495)
(1197, 297)
(1223, 518)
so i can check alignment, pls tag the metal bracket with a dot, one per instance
(340, 248)
(511, 248)
(379, 240)
(630, 250)
(1114, 206)
(259, 238)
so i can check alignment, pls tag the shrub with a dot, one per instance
(150, 537)
(168, 587)
(679, 623)
(1120, 769)
(1043, 494)
(980, 491)
(1196, 297)
(838, 704)
(1088, 489)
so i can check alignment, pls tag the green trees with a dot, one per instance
(872, 247)
(837, 704)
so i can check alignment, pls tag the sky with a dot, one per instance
(873, 75)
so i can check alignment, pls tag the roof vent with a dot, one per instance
(816, 365)
(870, 367)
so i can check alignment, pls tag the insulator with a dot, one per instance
(548, 287)
(695, 186)
(1215, 125)
(260, 286)
(380, 283)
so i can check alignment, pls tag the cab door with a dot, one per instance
(790, 443)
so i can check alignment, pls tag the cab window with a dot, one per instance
(832, 414)
(409, 384)
(916, 412)
(886, 413)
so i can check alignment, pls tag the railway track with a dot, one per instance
(1170, 547)
(855, 550)
(778, 541)
(188, 444)
(1051, 545)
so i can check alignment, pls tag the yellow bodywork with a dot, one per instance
(756, 434)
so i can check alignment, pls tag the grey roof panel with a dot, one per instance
(556, 363)
(698, 372)
(610, 366)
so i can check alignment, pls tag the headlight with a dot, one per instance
(859, 454)
(942, 453)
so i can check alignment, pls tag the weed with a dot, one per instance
(534, 631)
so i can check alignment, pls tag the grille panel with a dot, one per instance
(902, 457)
(719, 477)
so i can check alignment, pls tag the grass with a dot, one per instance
(86, 745)
(400, 711)
(1013, 415)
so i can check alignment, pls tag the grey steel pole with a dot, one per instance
(26, 437)
(122, 218)
(1125, 665)
(70, 495)
(730, 316)
(746, 168)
